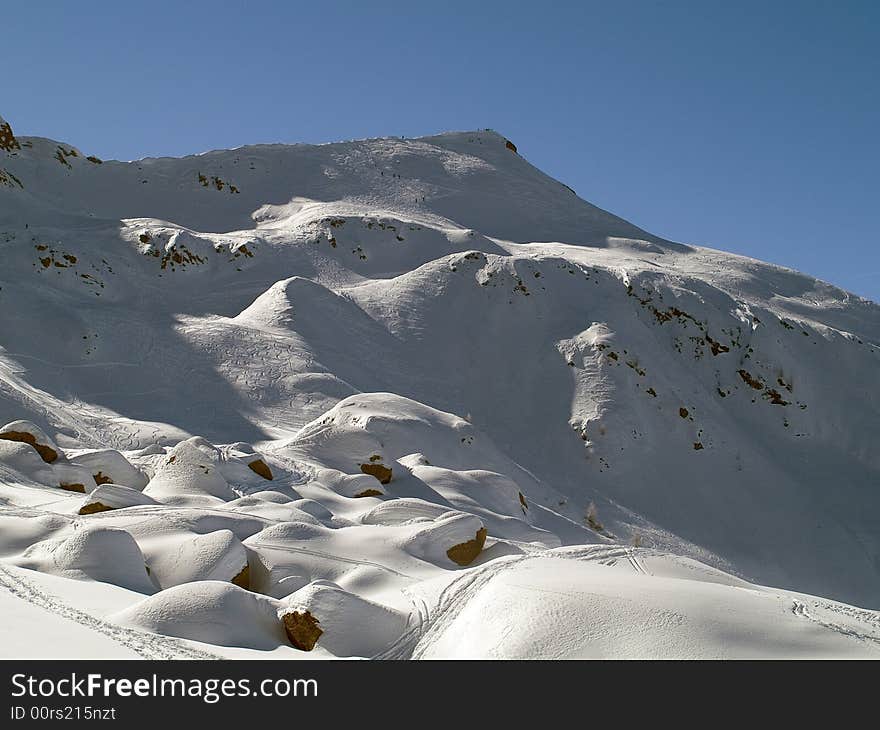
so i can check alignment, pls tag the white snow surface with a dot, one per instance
(418, 399)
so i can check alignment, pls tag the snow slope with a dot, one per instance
(419, 384)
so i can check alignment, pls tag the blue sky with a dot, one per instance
(747, 126)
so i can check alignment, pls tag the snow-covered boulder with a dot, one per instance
(325, 614)
(29, 433)
(21, 456)
(190, 473)
(92, 552)
(351, 485)
(403, 511)
(109, 466)
(214, 612)
(452, 538)
(108, 497)
(185, 558)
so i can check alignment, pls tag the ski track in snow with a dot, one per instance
(456, 595)
(799, 608)
(147, 646)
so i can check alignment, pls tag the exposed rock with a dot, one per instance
(262, 468)
(380, 471)
(73, 487)
(10, 433)
(750, 379)
(243, 578)
(369, 493)
(302, 629)
(93, 507)
(8, 142)
(466, 552)
(113, 496)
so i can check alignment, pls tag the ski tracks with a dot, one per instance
(455, 596)
(799, 608)
(145, 645)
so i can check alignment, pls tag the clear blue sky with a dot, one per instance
(747, 126)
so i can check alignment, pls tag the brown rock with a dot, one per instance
(262, 468)
(243, 579)
(683, 412)
(47, 453)
(73, 487)
(369, 493)
(380, 471)
(466, 552)
(8, 142)
(100, 478)
(302, 629)
(510, 145)
(90, 509)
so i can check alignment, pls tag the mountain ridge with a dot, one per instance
(609, 387)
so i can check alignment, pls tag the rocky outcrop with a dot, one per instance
(8, 142)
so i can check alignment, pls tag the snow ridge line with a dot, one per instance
(147, 646)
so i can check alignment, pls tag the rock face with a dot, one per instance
(302, 629)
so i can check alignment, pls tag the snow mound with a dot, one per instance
(597, 613)
(213, 612)
(368, 432)
(403, 511)
(323, 613)
(97, 553)
(24, 458)
(108, 497)
(355, 485)
(185, 558)
(110, 466)
(450, 538)
(27, 432)
(190, 474)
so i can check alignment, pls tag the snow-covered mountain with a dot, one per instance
(260, 398)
